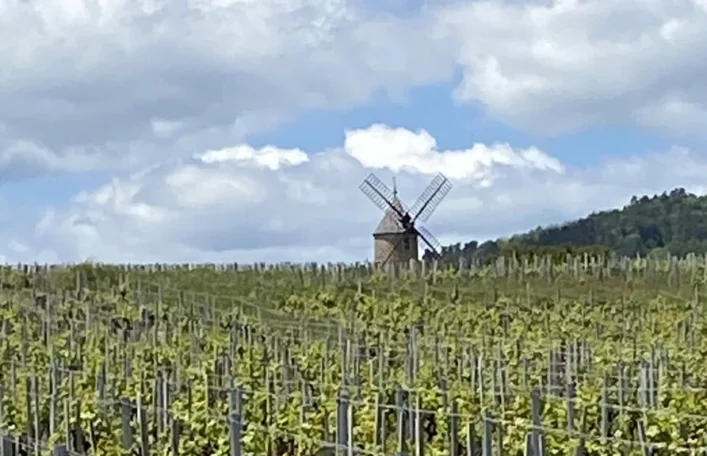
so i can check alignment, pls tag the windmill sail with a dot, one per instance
(397, 231)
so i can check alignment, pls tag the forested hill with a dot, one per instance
(674, 222)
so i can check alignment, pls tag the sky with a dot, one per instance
(239, 130)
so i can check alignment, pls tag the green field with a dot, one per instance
(521, 357)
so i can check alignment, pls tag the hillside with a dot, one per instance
(674, 222)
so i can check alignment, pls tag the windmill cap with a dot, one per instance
(389, 223)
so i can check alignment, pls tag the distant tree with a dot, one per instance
(674, 222)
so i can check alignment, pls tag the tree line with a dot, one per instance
(673, 222)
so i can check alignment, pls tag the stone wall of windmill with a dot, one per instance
(403, 247)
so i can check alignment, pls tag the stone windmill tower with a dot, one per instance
(397, 237)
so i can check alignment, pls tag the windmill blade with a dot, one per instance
(431, 241)
(379, 193)
(430, 198)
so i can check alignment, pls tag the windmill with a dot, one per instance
(397, 236)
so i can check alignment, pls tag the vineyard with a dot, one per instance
(593, 356)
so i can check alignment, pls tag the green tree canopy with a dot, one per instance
(673, 222)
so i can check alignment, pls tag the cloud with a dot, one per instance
(122, 85)
(415, 152)
(112, 85)
(165, 95)
(567, 64)
(267, 204)
(242, 202)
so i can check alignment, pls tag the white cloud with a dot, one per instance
(560, 65)
(269, 157)
(415, 152)
(242, 208)
(117, 85)
(113, 84)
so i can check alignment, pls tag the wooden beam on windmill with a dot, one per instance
(399, 234)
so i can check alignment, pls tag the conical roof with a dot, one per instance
(390, 222)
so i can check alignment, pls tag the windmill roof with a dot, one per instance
(389, 223)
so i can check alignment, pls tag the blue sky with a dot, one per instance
(456, 126)
(157, 131)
